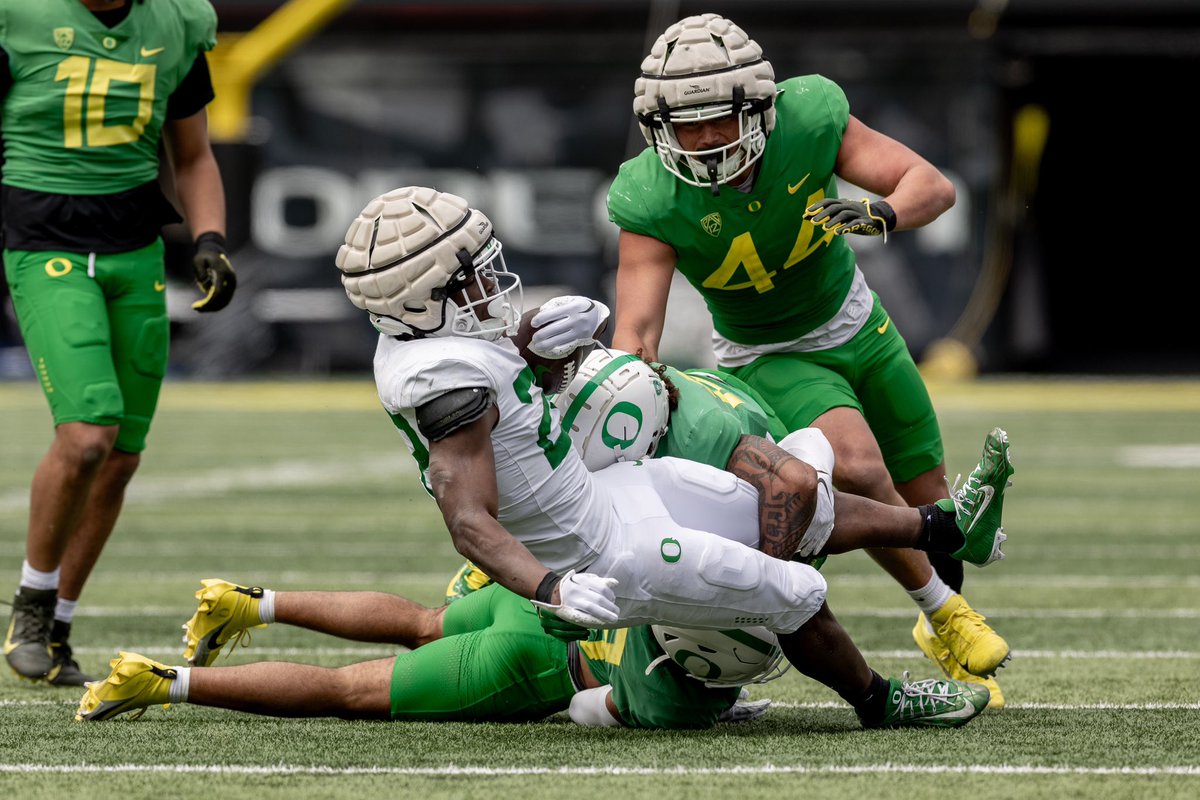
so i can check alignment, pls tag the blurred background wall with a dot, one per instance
(1066, 125)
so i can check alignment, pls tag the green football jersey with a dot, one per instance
(766, 274)
(665, 696)
(87, 104)
(715, 410)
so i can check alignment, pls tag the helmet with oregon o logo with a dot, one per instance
(615, 409)
(733, 657)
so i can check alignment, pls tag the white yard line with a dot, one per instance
(150, 490)
(452, 770)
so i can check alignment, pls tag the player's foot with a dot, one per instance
(469, 578)
(979, 502)
(225, 613)
(66, 671)
(27, 645)
(931, 703)
(937, 652)
(135, 683)
(970, 640)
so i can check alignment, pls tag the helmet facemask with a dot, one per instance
(702, 69)
(715, 166)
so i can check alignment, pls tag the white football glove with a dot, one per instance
(745, 709)
(585, 599)
(565, 323)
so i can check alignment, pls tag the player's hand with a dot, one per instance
(745, 709)
(565, 323)
(585, 599)
(559, 628)
(214, 273)
(865, 217)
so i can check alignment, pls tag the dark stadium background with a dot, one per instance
(1079, 248)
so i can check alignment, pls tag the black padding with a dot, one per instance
(446, 413)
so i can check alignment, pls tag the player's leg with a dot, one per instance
(281, 689)
(823, 650)
(63, 318)
(227, 610)
(895, 400)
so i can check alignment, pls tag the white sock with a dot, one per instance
(64, 611)
(266, 607)
(181, 684)
(932, 596)
(36, 579)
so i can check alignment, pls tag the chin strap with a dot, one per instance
(713, 164)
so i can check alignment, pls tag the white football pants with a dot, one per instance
(686, 552)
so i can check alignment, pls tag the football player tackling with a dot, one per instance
(600, 550)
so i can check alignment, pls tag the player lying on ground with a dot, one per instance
(599, 549)
(486, 658)
(618, 408)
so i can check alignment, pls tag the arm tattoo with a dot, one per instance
(785, 510)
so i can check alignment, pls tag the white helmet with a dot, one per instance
(724, 658)
(423, 263)
(705, 68)
(614, 409)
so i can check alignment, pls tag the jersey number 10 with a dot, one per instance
(84, 105)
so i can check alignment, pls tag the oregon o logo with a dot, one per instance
(753, 206)
(622, 426)
(57, 267)
(670, 550)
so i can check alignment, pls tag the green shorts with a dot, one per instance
(494, 662)
(873, 373)
(98, 343)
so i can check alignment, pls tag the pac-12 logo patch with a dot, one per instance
(712, 224)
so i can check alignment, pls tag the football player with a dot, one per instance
(738, 191)
(599, 550)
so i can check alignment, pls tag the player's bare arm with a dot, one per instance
(915, 189)
(462, 476)
(786, 493)
(643, 283)
(197, 177)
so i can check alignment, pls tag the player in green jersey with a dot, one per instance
(738, 191)
(485, 657)
(89, 89)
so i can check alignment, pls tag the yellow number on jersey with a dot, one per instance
(610, 649)
(715, 389)
(742, 252)
(74, 71)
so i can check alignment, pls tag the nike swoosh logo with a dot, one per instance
(108, 708)
(159, 286)
(883, 327)
(147, 52)
(793, 188)
(966, 712)
(988, 492)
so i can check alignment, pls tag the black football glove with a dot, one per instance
(214, 273)
(840, 216)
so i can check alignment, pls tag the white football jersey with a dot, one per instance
(548, 501)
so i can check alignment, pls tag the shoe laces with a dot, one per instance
(926, 695)
(32, 620)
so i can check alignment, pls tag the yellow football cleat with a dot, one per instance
(972, 642)
(135, 683)
(226, 612)
(937, 652)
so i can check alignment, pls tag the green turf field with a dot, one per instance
(295, 485)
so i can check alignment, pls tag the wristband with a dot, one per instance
(545, 590)
(212, 239)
